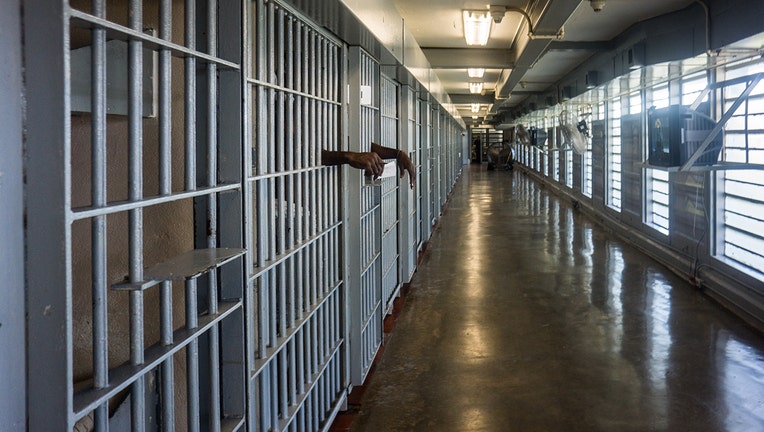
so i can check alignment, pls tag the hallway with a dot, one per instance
(526, 316)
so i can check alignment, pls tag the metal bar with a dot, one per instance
(165, 100)
(13, 367)
(279, 39)
(214, 377)
(281, 215)
(274, 382)
(212, 216)
(168, 374)
(272, 308)
(118, 32)
(264, 392)
(299, 285)
(272, 230)
(281, 306)
(292, 91)
(291, 287)
(123, 376)
(192, 357)
(190, 96)
(252, 302)
(300, 358)
(89, 212)
(283, 404)
(261, 364)
(135, 219)
(98, 224)
(292, 378)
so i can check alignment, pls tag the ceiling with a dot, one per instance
(518, 66)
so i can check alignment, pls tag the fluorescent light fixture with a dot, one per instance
(474, 117)
(477, 26)
(475, 107)
(475, 72)
(476, 88)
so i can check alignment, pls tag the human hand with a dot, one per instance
(405, 164)
(370, 162)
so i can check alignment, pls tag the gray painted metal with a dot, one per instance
(264, 249)
(12, 327)
(363, 219)
(389, 189)
(50, 387)
(293, 224)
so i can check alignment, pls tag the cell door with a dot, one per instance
(134, 217)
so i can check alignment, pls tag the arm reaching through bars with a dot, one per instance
(372, 162)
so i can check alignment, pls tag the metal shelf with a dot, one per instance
(185, 266)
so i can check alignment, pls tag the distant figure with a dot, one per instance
(476, 150)
(501, 155)
(372, 162)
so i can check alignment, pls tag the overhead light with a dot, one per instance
(597, 5)
(476, 88)
(475, 72)
(477, 26)
(474, 117)
(475, 107)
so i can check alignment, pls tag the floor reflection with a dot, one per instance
(527, 316)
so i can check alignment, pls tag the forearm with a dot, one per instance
(334, 157)
(385, 152)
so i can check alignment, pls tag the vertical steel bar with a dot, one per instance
(264, 394)
(272, 307)
(291, 286)
(135, 219)
(313, 276)
(280, 132)
(274, 384)
(212, 216)
(283, 402)
(165, 100)
(300, 355)
(168, 380)
(98, 225)
(322, 336)
(190, 97)
(299, 284)
(305, 82)
(137, 358)
(280, 202)
(281, 306)
(272, 204)
(278, 37)
(292, 378)
(314, 126)
(315, 344)
(192, 357)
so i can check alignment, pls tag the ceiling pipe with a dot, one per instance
(708, 26)
(552, 19)
(498, 11)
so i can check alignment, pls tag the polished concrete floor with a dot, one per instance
(525, 316)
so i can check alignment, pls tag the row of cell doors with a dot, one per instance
(191, 264)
